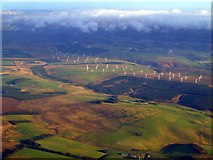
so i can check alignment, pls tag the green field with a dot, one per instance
(79, 75)
(70, 146)
(153, 132)
(32, 153)
(83, 122)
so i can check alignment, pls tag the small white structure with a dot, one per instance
(154, 72)
(107, 66)
(87, 67)
(124, 73)
(158, 77)
(170, 78)
(146, 76)
(141, 72)
(96, 67)
(186, 78)
(178, 74)
(181, 80)
(195, 81)
(173, 75)
(200, 77)
(134, 74)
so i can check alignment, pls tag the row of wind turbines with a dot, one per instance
(121, 70)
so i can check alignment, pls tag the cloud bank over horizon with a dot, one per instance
(111, 19)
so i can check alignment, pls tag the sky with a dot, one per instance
(142, 4)
(142, 16)
(106, 0)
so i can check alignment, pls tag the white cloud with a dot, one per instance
(92, 20)
(204, 12)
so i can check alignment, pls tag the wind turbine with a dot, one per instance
(141, 72)
(170, 73)
(113, 70)
(117, 67)
(74, 61)
(124, 73)
(162, 74)
(134, 74)
(107, 66)
(170, 78)
(96, 67)
(154, 72)
(178, 74)
(200, 77)
(195, 81)
(92, 70)
(106, 59)
(87, 67)
(173, 75)
(146, 75)
(158, 77)
(186, 77)
(103, 69)
(181, 80)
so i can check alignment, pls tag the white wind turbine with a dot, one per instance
(173, 75)
(200, 77)
(96, 67)
(158, 77)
